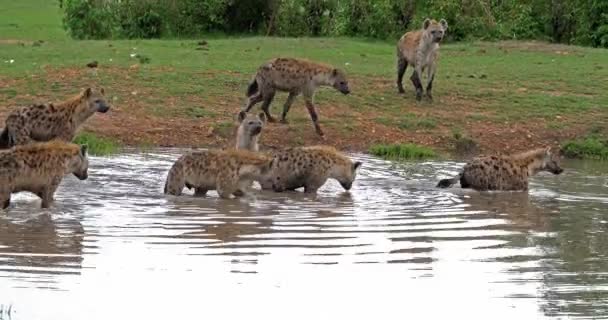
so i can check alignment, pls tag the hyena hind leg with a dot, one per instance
(268, 97)
(401, 67)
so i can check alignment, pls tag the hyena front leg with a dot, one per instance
(47, 193)
(268, 97)
(290, 99)
(226, 185)
(5, 198)
(417, 82)
(313, 184)
(200, 192)
(313, 113)
(430, 77)
(401, 67)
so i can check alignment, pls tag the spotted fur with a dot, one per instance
(296, 76)
(45, 122)
(310, 167)
(507, 173)
(226, 171)
(39, 168)
(421, 50)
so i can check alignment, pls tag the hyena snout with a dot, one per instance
(342, 87)
(102, 106)
(437, 36)
(81, 175)
(347, 185)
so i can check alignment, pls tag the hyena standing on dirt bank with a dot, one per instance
(44, 122)
(39, 168)
(420, 49)
(507, 173)
(296, 76)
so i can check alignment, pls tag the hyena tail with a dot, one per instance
(5, 141)
(253, 87)
(446, 183)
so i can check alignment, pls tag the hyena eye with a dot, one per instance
(97, 101)
(250, 122)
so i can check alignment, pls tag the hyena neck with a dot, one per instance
(426, 44)
(81, 113)
(532, 160)
(322, 79)
(246, 142)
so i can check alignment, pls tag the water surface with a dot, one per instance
(114, 247)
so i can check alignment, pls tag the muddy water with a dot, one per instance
(395, 247)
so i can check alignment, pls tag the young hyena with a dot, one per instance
(420, 49)
(45, 122)
(310, 167)
(39, 168)
(249, 130)
(226, 171)
(508, 173)
(296, 76)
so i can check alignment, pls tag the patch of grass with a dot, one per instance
(198, 112)
(591, 147)
(98, 146)
(402, 151)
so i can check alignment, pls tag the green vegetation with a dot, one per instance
(98, 146)
(567, 21)
(591, 147)
(402, 151)
(170, 89)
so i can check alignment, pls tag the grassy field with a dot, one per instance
(504, 96)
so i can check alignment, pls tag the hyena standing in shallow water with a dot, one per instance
(45, 122)
(39, 168)
(507, 173)
(420, 49)
(296, 76)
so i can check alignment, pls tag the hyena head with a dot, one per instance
(346, 174)
(79, 164)
(551, 162)
(95, 100)
(339, 81)
(251, 125)
(434, 31)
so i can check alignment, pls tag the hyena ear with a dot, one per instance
(262, 117)
(356, 165)
(426, 23)
(334, 73)
(444, 24)
(242, 115)
(83, 149)
(103, 91)
(87, 92)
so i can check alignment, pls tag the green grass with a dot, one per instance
(548, 87)
(98, 146)
(402, 151)
(590, 147)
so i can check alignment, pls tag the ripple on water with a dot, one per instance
(540, 254)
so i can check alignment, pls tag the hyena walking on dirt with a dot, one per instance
(296, 76)
(421, 49)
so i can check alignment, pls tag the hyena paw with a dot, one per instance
(271, 119)
(284, 121)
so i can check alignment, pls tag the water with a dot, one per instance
(114, 247)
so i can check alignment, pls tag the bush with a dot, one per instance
(582, 22)
(591, 147)
(85, 19)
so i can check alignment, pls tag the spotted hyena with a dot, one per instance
(296, 76)
(39, 168)
(249, 130)
(45, 122)
(505, 172)
(421, 50)
(310, 167)
(226, 171)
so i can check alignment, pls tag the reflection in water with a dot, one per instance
(449, 253)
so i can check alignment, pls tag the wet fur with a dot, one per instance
(39, 168)
(227, 171)
(507, 173)
(310, 168)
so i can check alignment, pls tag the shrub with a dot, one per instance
(87, 19)
(402, 151)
